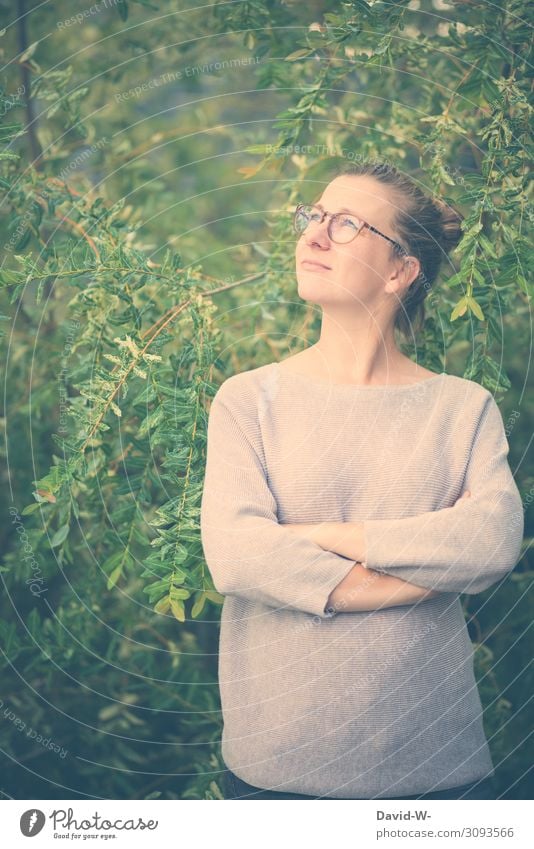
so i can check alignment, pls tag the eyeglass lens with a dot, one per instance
(341, 227)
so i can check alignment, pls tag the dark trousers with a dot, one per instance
(236, 788)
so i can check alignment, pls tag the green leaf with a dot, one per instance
(23, 240)
(523, 284)
(28, 53)
(215, 597)
(445, 176)
(179, 593)
(163, 605)
(298, 54)
(215, 790)
(456, 279)
(178, 610)
(122, 6)
(459, 309)
(31, 508)
(198, 606)
(114, 577)
(488, 247)
(60, 535)
(474, 230)
(475, 307)
(181, 554)
(111, 562)
(262, 149)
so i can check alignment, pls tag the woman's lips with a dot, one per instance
(312, 264)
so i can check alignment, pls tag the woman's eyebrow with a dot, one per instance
(343, 209)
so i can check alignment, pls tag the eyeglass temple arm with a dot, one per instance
(393, 242)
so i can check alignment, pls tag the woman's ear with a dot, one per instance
(412, 268)
(403, 275)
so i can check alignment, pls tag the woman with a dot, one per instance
(350, 497)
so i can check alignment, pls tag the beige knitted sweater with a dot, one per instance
(353, 705)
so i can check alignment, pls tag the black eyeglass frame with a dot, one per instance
(333, 215)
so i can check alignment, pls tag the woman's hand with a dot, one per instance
(465, 494)
(344, 538)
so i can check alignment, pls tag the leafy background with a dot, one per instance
(151, 155)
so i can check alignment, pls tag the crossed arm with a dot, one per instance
(361, 589)
(460, 549)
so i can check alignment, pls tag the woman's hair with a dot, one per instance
(427, 228)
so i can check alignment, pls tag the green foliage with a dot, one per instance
(145, 225)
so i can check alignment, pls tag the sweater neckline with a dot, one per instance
(356, 387)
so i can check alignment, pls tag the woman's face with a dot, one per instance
(358, 273)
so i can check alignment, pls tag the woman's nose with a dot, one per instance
(317, 233)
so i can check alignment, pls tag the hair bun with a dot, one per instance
(451, 221)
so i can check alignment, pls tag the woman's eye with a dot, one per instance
(348, 222)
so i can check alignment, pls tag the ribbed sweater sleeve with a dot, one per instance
(469, 546)
(247, 552)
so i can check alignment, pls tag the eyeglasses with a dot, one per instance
(342, 227)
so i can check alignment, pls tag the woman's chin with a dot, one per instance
(314, 292)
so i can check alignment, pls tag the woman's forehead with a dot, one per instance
(360, 194)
